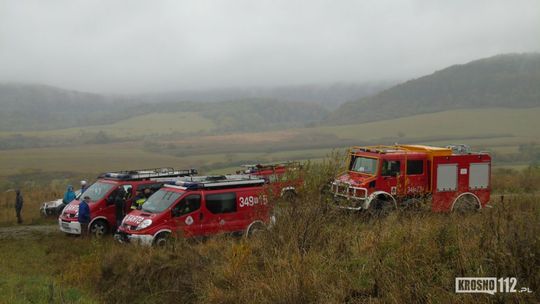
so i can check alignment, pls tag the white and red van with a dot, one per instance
(106, 188)
(200, 206)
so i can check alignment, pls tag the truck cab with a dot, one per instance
(199, 207)
(385, 177)
(105, 191)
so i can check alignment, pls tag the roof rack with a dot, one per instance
(216, 182)
(431, 151)
(145, 174)
(253, 168)
(460, 148)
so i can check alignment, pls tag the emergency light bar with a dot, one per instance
(142, 174)
(220, 181)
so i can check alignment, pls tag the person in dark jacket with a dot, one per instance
(84, 215)
(119, 203)
(18, 205)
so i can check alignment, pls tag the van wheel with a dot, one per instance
(466, 204)
(255, 228)
(380, 207)
(162, 239)
(99, 228)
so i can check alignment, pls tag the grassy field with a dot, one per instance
(498, 130)
(488, 123)
(313, 255)
(139, 126)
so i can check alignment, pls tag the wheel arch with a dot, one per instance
(478, 202)
(255, 222)
(158, 233)
(98, 218)
(169, 231)
(377, 194)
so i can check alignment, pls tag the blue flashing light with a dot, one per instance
(189, 184)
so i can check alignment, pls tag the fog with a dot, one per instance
(145, 46)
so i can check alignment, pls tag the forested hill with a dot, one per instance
(511, 80)
(36, 107)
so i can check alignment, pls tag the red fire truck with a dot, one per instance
(106, 188)
(199, 206)
(379, 178)
(285, 177)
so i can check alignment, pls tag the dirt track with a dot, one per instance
(27, 231)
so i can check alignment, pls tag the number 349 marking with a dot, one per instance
(249, 201)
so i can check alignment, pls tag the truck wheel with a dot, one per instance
(289, 196)
(466, 204)
(380, 207)
(162, 239)
(255, 228)
(99, 228)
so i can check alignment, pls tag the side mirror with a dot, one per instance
(175, 212)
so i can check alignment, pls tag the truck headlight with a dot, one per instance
(144, 224)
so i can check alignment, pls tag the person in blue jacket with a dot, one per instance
(69, 195)
(84, 215)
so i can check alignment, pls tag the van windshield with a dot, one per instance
(97, 191)
(363, 165)
(160, 201)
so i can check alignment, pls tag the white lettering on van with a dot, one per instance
(250, 201)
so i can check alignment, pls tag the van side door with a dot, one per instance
(186, 215)
(221, 212)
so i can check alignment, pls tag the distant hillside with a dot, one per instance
(245, 114)
(35, 107)
(511, 80)
(329, 96)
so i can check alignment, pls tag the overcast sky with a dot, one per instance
(138, 46)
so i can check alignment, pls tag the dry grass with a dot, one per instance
(317, 254)
(314, 254)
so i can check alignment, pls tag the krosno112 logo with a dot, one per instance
(488, 285)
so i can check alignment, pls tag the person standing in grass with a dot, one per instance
(120, 205)
(84, 216)
(69, 195)
(18, 206)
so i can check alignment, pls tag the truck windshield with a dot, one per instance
(363, 165)
(97, 191)
(160, 201)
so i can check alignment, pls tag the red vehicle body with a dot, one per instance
(391, 176)
(285, 178)
(198, 207)
(102, 192)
